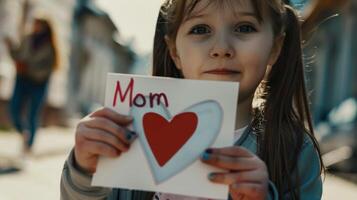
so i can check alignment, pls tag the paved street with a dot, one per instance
(40, 177)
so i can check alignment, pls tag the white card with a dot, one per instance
(176, 120)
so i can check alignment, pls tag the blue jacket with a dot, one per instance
(76, 185)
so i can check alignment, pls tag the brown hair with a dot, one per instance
(283, 119)
(50, 37)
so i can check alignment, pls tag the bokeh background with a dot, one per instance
(95, 37)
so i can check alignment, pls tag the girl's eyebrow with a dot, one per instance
(191, 17)
(247, 14)
(251, 14)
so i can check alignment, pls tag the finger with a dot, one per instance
(240, 197)
(112, 115)
(229, 178)
(100, 148)
(249, 190)
(230, 163)
(237, 196)
(232, 151)
(104, 124)
(105, 137)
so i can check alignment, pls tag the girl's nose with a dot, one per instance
(222, 49)
(219, 54)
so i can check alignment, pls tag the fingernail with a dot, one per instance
(206, 156)
(211, 176)
(133, 133)
(209, 151)
(130, 135)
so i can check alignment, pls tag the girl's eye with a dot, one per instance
(245, 29)
(200, 30)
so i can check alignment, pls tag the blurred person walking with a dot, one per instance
(35, 59)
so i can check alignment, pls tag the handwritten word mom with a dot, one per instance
(138, 99)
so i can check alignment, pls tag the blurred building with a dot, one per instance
(330, 55)
(89, 47)
(96, 50)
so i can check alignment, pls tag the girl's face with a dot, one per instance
(218, 42)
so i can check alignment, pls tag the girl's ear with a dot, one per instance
(275, 52)
(173, 52)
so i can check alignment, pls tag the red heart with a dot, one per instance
(166, 138)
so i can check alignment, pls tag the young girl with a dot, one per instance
(254, 42)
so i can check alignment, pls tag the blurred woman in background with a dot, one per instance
(35, 59)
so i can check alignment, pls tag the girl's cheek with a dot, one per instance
(257, 58)
(259, 46)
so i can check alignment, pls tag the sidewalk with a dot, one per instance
(41, 176)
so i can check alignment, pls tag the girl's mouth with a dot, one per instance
(222, 71)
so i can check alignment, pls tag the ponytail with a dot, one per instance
(286, 111)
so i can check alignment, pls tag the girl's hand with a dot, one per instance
(101, 133)
(247, 177)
